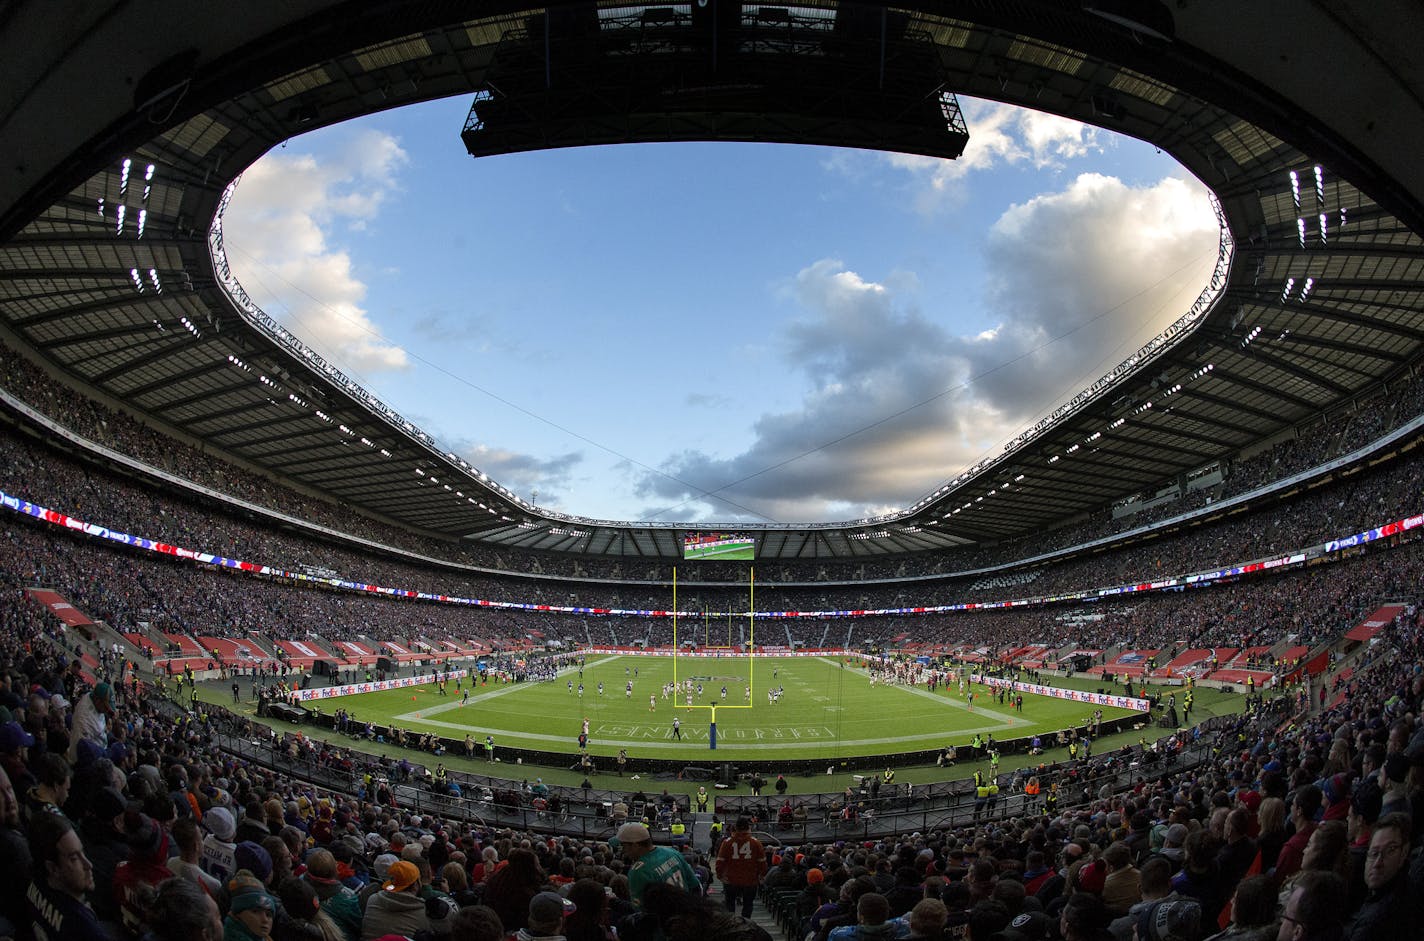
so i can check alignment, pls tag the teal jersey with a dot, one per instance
(661, 864)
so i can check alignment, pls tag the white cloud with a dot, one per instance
(896, 402)
(999, 135)
(525, 474)
(281, 231)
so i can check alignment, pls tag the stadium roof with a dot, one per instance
(1320, 297)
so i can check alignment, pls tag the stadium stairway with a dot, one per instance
(762, 912)
(762, 916)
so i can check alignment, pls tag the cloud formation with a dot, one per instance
(896, 403)
(525, 474)
(279, 230)
(999, 135)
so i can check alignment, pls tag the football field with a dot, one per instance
(825, 710)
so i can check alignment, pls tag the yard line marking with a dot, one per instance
(507, 736)
(946, 700)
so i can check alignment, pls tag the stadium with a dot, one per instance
(1207, 551)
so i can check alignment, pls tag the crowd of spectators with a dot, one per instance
(119, 822)
(128, 587)
(1331, 436)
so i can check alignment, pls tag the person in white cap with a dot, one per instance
(651, 864)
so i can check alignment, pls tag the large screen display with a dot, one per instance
(718, 546)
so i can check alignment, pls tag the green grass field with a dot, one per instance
(827, 711)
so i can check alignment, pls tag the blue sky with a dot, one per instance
(716, 333)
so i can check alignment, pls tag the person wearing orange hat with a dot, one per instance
(397, 908)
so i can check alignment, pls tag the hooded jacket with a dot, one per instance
(401, 913)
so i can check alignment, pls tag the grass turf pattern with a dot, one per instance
(826, 710)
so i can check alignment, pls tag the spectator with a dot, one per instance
(251, 910)
(219, 854)
(186, 863)
(305, 920)
(53, 778)
(1155, 878)
(872, 913)
(1199, 878)
(545, 919)
(338, 901)
(927, 919)
(1315, 909)
(1084, 919)
(1239, 851)
(91, 718)
(137, 877)
(589, 919)
(397, 908)
(1271, 819)
(1253, 912)
(1177, 920)
(1394, 907)
(182, 911)
(476, 923)
(15, 850)
(741, 864)
(650, 865)
(1303, 812)
(61, 878)
(1121, 887)
(513, 886)
(457, 884)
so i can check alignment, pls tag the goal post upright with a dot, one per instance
(750, 653)
(751, 629)
(674, 636)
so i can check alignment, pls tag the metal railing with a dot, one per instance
(487, 801)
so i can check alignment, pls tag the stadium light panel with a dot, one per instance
(1295, 189)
